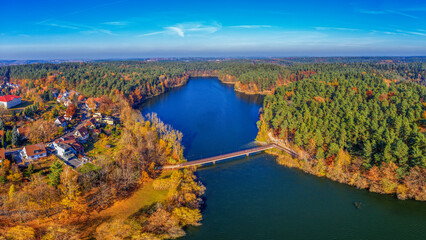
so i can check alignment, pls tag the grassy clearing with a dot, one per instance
(99, 148)
(87, 167)
(143, 197)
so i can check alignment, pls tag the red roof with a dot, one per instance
(8, 98)
(35, 149)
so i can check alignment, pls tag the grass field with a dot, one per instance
(143, 197)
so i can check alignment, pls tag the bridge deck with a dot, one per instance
(229, 155)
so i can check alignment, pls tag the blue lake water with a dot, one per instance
(254, 197)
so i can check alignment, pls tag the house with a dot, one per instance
(91, 124)
(97, 117)
(72, 141)
(77, 147)
(2, 155)
(67, 102)
(64, 98)
(72, 93)
(64, 150)
(60, 121)
(92, 103)
(9, 101)
(68, 118)
(23, 132)
(108, 120)
(82, 134)
(97, 131)
(59, 98)
(34, 152)
(80, 98)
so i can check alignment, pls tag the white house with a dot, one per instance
(64, 150)
(34, 152)
(9, 101)
(108, 120)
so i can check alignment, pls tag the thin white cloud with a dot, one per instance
(251, 26)
(412, 32)
(61, 25)
(382, 12)
(179, 31)
(185, 29)
(152, 33)
(73, 26)
(117, 23)
(335, 28)
(383, 32)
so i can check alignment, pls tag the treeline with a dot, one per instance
(141, 79)
(350, 108)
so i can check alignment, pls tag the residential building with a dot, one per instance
(72, 141)
(68, 118)
(24, 132)
(60, 121)
(34, 152)
(92, 103)
(64, 150)
(91, 124)
(9, 101)
(67, 102)
(82, 134)
(108, 120)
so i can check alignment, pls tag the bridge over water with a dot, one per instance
(222, 157)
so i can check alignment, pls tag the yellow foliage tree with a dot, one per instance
(187, 216)
(20, 233)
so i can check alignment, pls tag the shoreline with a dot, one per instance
(358, 179)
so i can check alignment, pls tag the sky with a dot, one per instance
(100, 29)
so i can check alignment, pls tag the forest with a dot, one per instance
(141, 79)
(359, 114)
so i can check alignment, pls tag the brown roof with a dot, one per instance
(82, 131)
(23, 130)
(91, 123)
(2, 153)
(35, 149)
(77, 146)
(68, 140)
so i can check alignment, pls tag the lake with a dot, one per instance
(254, 197)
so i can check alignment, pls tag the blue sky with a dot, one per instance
(130, 29)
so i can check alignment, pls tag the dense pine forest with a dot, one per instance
(361, 124)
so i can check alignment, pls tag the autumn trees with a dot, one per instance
(352, 115)
(71, 110)
(42, 131)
